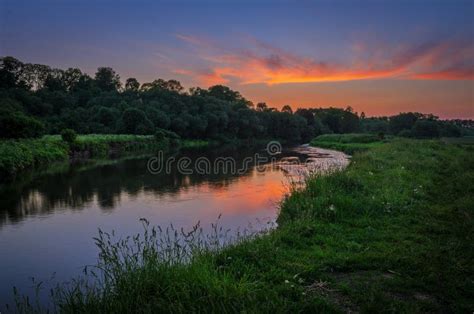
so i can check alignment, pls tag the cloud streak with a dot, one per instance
(264, 63)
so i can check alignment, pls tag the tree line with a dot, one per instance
(36, 99)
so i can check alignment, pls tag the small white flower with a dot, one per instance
(286, 281)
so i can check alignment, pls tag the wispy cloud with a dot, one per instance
(264, 63)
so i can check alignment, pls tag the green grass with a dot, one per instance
(349, 143)
(16, 156)
(392, 233)
(19, 155)
(195, 143)
(348, 138)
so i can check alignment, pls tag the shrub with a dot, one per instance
(18, 125)
(171, 135)
(68, 135)
(425, 129)
(159, 135)
(134, 121)
(405, 133)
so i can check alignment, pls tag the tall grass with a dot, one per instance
(18, 155)
(157, 268)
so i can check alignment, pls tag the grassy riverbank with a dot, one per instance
(392, 233)
(18, 155)
(348, 143)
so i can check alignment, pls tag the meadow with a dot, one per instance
(350, 143)
(391, 233)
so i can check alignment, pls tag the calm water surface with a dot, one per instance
(47, 223)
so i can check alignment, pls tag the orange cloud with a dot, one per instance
(271, 65)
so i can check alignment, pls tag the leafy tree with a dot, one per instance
(171, 85)
(18, 125)
(287, 109)
(224, 93)
(55, 81)
(449, 130)
(134, 121)
(261, 106)
(107, 80)
(132, 85)
(72, 77)
(35, 75)
(71, 99)
(349, 121)
(403, 121)
(107, 117)
(375, 125)
(425, 128)
(179, 125)
(11, 71)
(159, 118)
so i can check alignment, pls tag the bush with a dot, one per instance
(425, 129)
(18, 125)
(160, 135)
(405, 133)
(68, 135)
(171, 135)
(134, 121)
(18, 155)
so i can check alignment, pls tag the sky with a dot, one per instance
(379, 57)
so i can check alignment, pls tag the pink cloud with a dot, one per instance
(264, 63)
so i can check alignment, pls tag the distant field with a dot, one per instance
(348, 143)
(18, 155)
(89, 138)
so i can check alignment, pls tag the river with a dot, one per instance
(47, 222)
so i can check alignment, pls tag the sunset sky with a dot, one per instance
(379, 57)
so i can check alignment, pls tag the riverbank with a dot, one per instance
(19, 155)
(393, 232)
(350, 143)
(318, 161)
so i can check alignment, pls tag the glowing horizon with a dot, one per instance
(383, 59)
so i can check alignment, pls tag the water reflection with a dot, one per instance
(47, 223)
(77, 188)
